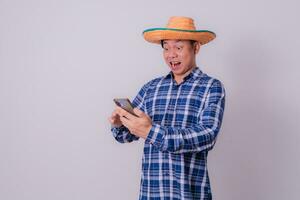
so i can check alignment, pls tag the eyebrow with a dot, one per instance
(164, 42)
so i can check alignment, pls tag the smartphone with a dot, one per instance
(125, 104)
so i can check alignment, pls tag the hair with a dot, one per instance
(162, 43)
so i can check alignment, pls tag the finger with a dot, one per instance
(128, 124)
(111, 120)
(114, 117)
(118, 111)
(138, 112)
(123, 112)
(114, 114)
(125, 122)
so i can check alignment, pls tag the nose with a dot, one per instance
(172, 54)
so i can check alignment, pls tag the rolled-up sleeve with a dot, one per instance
(200, 137)
(122, 134)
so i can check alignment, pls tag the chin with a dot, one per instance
(177, 71)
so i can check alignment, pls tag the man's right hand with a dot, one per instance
(115, 119)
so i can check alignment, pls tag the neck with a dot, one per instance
(179, 78)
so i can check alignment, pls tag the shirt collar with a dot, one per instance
(196, 72)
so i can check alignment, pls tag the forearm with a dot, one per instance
(200, 137)
(176, 140)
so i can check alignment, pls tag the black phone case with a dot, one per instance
(125, 104)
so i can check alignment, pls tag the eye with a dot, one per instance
(179, 48)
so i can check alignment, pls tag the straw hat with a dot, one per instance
(181, 28)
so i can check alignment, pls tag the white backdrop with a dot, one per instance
(62, 63)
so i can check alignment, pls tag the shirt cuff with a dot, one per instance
(116, 130)
(156, 135)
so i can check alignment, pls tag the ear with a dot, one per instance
(196, 47)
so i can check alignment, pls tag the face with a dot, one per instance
(180, 55)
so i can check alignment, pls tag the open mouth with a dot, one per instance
(175, 64)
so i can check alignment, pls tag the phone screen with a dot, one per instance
(125, 104)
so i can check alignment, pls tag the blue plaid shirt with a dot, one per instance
(186, 119)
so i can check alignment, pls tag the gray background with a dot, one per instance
(62, 63)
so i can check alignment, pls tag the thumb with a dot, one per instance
(138, 112)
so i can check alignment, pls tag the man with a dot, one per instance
(179, 117)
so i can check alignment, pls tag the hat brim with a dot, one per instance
(155, 35)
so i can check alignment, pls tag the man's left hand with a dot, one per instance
(139, 126)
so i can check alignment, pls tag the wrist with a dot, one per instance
(146, 131)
